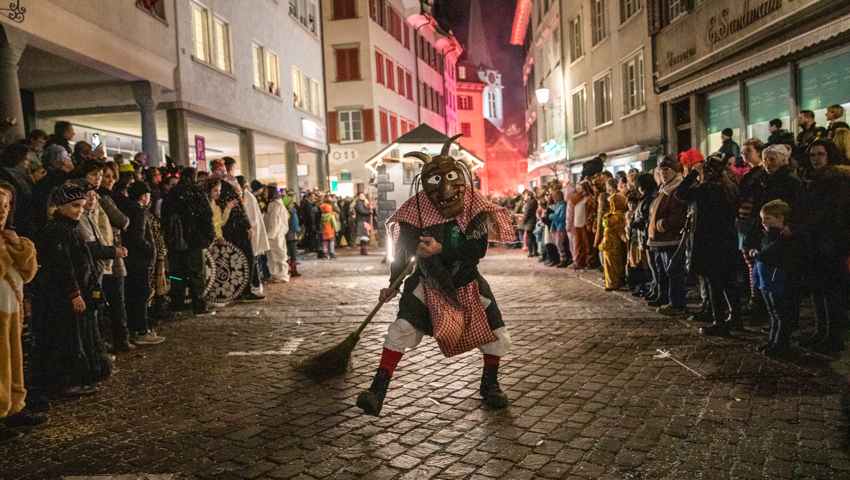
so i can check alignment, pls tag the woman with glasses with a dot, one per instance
(824, 225)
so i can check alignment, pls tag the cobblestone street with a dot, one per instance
(600, 387)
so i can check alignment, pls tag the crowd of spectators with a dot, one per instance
(96, 252)
(759, 230)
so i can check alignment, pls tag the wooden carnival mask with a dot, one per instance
(443, 180)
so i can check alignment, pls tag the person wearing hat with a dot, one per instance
(141, 255)
(729, 147)
(62, 294)
(667, 217)
(58, 165)
(715, 239)
(292, 235)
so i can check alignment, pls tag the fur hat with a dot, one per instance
(691, 156)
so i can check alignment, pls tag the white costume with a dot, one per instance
(277, 225)
(260, 241)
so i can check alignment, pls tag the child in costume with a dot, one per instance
(447, 227)
(614, 223)
(330, 225)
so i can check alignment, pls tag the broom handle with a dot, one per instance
(393, 287)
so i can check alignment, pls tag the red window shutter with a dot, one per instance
(390, 75)
(368, 125)
(372, 10)
(344, 9)
(403, 126)
(411, 126)
(397, 26)
(385, 133)
(469, 102)
(341, 65)
(406, 36)
(333, 127)
(466, 129)
(393, 127)
(354, 64)
(382, 7)
(409, 86)
(379, 64)
(400, 81)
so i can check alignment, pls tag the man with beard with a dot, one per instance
(447, 227)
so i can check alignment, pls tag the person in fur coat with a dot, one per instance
(17, 266)
(612, 245)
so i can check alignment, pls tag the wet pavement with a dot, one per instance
(600, 387)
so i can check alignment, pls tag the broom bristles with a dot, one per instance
(331, 362)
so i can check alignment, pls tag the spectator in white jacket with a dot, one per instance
(260, 241)
(277, 225)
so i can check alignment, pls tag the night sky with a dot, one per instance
(508, 58)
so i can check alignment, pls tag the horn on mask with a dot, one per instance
(448, 145)
(420, 155)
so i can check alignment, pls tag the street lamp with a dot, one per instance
(542, 94)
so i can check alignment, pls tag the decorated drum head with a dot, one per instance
(228, 273)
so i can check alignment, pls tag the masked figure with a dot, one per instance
(446, 226)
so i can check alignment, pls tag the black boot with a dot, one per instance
(372, 400)
(490, 390)
(716, 329)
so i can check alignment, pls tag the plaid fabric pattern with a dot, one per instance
(500, 229)
(459, 330)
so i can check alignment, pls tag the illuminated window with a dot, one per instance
(602, 99)
(633, 88)
(200, 32)
(579, 112)
(599, 21)
(222, 45)
(350, 126)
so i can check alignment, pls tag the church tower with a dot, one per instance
(478, 52)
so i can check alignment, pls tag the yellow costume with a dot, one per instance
(612, 245)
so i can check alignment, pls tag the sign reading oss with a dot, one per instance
(343, 154)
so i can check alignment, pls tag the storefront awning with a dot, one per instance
(826, 32)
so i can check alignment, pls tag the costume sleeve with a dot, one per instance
(24, 258)
(404, 249)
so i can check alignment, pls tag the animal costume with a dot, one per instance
(445, 297)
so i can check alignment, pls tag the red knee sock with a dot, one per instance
(491, 361)
(390, 359)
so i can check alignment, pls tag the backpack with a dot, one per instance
(174, 240)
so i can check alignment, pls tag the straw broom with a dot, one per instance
(335, 361)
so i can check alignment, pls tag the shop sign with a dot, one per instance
(343, 154)
(278, 170)
(303, 171)
(313, 130)
(200, 151)
(717, 30)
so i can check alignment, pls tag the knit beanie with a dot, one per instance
(68, 192)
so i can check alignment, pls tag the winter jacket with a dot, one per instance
(751, 199)
(330, 224)
(23, 219)
(294, 227)
(730, 148)
(715, 240)
(101, 253)
(809, 135)
(65, 264)
(363, 216)
(559, 217)
(141, 251)
(190, 205)
(830, 132)
(776, 263)
(641, 217)
(667, 216)
(824, 224)
(529, 215)
(780, 137)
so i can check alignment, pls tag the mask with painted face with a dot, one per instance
(444, 180)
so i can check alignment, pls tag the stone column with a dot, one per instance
(322, 175)
(247, 160)
(143, 94)
(12, 44)
(292, 170)
(178, 137)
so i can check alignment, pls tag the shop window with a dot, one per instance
(633, 85)
(350, 126)
(767, 98)
(579, 111)
(602, 99)
(576, 47)
(344, 9)
(347, 64)
(598, 20)
(823, 82)
(628, 8)
(466, 129)
(200, 32)
(222, 46)
(724, 111)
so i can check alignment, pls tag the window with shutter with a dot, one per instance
(406, 36)
(390, 75)
(372, 10)
(379, 65)
(354, 63)
(404, 124)
(466, 129)
(400, 81)
(409, 86)
(385, 133)
(393, 127)
(344, 9)
(368, 125)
